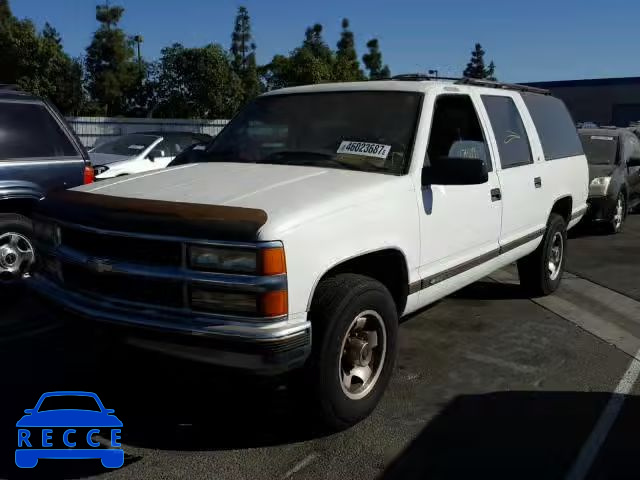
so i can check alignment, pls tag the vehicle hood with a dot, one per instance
(69, 418)
(289, 195)
(600, 171)
(107, 158)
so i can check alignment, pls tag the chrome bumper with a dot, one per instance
(260, 347)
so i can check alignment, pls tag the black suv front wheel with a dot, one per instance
(16, 247)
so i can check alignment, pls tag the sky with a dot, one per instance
(528, 40)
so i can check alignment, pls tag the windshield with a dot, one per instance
(600, 149)
(69, 402)
(127, 145)
(366, 131)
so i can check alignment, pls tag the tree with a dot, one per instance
(112, 74)
(196, 83)
(476, 67)
(347, 66)
(243, 51)
(36, 62)
(373, 61)
(312, 62)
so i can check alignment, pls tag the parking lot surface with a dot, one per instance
(488, 384)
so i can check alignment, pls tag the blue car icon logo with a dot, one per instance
(63, 425)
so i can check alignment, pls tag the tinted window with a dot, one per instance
(600, 148)
(554, 124)
(512, 139)
(359, 130)
(456, 130)
(27, 130)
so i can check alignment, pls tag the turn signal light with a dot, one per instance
(273, 304)
(272, 261)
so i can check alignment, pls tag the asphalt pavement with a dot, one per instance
(489, 384)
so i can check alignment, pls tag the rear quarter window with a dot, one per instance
(28, 130)
(556, 129)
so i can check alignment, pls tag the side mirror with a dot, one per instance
(455, 171)
(109, 411)
(153, 154)
(29, 411)
(634, 162)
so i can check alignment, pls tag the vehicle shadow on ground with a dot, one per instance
(523, 435)
(490, 290)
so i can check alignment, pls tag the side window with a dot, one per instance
(511, 136)
(554, 124)
(27, 130)
(456, 130)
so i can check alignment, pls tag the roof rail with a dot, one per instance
(417, 77)
(505, 86)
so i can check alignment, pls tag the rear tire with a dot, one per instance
(541, 271)
(355, 324)
(16, 247)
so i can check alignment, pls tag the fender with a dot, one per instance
(344, 260)
(14, 189)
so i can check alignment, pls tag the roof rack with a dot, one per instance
(418, 77)
(505, 86)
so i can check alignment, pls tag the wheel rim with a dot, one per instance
(556, 253)
(618, 216)
(362, 354)
(16, 255)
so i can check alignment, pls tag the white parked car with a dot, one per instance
(140, 152)
(315, 220)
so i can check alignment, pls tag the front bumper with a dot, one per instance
(600, 209)
(264, 348)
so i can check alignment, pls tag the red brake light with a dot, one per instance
(89, 174)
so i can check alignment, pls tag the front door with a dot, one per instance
(460, 224)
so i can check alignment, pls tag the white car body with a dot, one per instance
(430, 238)
(153, 156)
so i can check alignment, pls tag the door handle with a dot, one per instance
(496, 194)
(537, 182)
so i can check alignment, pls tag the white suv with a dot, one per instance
(317, 218)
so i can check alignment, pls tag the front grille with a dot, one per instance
(128, 249)
(167, 293)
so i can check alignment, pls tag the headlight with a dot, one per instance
(261, 261)
(100, 169)
(599, 186)
(205, 298)
(223, 259)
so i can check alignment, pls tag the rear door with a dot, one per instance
(37, 152)
(523, 203)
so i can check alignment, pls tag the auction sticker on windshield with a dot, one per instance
(367, 149)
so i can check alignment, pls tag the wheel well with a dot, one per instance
(563, 207)
(388, 266)
(23, 206)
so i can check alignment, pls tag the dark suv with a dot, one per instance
(614, 174)
(38, 153)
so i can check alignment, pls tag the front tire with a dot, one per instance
(615, 224)
(355, 325)
(16, 247)
(541, 271)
